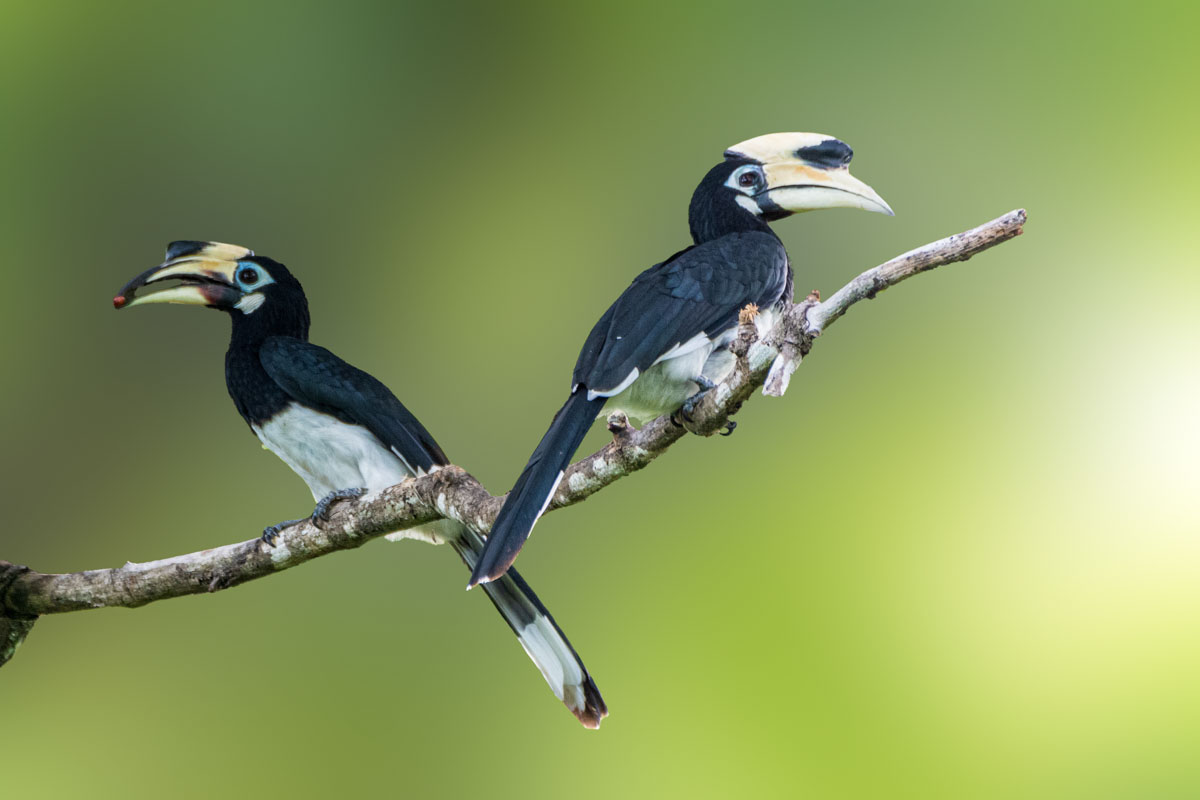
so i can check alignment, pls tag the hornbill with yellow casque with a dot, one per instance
(666, 339)
(337, 427)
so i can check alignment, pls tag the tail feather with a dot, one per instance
(539, 634)
(537, 484)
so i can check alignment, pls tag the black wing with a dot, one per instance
(699, 290)
(317, 378)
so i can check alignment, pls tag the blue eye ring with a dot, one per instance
(247, 275)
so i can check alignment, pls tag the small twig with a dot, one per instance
(809, 319)
(959, 247)
(452, 492)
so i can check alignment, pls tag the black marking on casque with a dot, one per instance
(829, 154)
(184, 247)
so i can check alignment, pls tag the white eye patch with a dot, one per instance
(748, 204)
(251, 278)
(250, 303)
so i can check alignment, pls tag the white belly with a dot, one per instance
(662, 388)
(330, 454)
(665, 386)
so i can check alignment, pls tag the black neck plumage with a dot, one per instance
(256, 395)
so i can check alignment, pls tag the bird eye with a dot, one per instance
(748, 179)
(247, 276)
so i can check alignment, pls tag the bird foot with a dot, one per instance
(683, 417)
(320, 514)
(269, 535)
(689, 405)
(729, 426)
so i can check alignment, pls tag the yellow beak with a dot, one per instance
(796, 186)
(807, 171)
(207, 279)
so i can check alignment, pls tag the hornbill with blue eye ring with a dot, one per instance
(338, 428)
(665, 341)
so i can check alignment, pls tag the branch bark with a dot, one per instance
(452, 492)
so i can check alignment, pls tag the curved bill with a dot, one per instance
(796, 186)
(206, 279)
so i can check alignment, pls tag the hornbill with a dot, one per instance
(337, 427)
(665, 341)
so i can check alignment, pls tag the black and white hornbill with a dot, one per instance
(337, 427)
(667, 336)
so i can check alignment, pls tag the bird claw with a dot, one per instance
(689, 405)
(269, 535)
(320, 514)
(682, 418)
(729, 426)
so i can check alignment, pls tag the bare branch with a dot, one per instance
(959, 247)
(796, 331)
(452, 492)
(410, 503)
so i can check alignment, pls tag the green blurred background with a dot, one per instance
(960, 560)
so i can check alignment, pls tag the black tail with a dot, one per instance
(533, 490)
(540, 635)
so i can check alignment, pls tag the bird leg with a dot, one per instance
(319, 516)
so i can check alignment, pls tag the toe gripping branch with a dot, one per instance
(747, 336)
(271, 533)
(689, 406)
(319, 516)
(683, 417)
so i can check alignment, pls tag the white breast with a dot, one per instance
(665, 385)
(668, 383)
(330, 454)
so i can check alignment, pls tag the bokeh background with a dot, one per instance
(961, 559)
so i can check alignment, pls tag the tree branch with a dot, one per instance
(452, 492)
